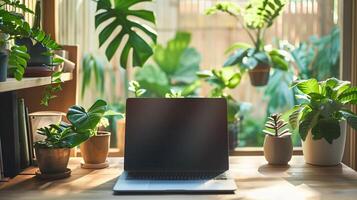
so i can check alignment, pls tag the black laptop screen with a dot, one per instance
(186, 134)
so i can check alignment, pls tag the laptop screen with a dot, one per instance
(176, 134)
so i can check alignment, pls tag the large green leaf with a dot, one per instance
(326, 128)
(168, 58)
(349, 96)
(189, 64)
(307, 86)
(93, 66)
(308, 121)
(18, 59)
(153, 80)
(111, 16)
(350, 117)
(87, 120)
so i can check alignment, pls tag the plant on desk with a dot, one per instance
(278, 147)
(53, 152)
(256, 17)
(321, 118)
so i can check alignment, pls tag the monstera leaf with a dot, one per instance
(87, 120)
(118, 14)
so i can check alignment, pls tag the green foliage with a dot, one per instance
(52, 89)
(248, 57)
(135, 88)
(274, 126)
(262, 13)
(318, 57)
(93, 66)
(117, 13)
(87, 120)
(18, 58)
(221, 80)
(60, 136)
(16, 27)
(174, 67)
(323, 106)
(174, 94)
(255, 18)
(83, 125)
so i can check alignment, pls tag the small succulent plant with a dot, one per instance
(275, 126)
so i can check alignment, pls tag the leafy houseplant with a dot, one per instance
(53, 152)
(95, 149)
(321, 118)
(278, 147)
(221, 80)
(255, 18)
(174, 67)
(13, 27)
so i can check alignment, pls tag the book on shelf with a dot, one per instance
(30, 137)
(9, 133)
(23, 135)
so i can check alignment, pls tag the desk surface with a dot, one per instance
(255, 180)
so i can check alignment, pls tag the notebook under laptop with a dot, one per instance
(175, 145)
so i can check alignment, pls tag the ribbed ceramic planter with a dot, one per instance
(320, 152)
(278, 150)
(52, 161)
(95, 150)
(259, 76)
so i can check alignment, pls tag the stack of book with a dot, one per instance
(16, 137)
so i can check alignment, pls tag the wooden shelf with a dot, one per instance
(12, 84)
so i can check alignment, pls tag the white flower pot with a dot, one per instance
(320, 152)
(278, 150)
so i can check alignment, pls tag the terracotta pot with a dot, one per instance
(278, 150)
(259, 76)
(95, 150)
(320, 152)
(52, 161)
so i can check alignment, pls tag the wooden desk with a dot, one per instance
(255, 180)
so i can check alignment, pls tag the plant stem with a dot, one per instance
(240, 22)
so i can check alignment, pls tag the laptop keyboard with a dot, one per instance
(174, 176)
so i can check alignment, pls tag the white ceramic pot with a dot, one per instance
(44, 118)
(320, 152)
(278, 150)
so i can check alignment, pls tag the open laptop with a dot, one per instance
(175, 145)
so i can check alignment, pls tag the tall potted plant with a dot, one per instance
(94, 150)
(321, 118)
(222, 80)
(255, 18)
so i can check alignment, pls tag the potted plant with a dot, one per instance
(94, 150)
(321, 118)
(221, 80)
(36, 50)
(53, 152)
(278, 147)
(255, 18)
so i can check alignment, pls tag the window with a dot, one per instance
(308, 29)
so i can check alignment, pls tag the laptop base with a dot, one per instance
(212, 186)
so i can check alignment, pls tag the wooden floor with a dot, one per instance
(255, 180)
